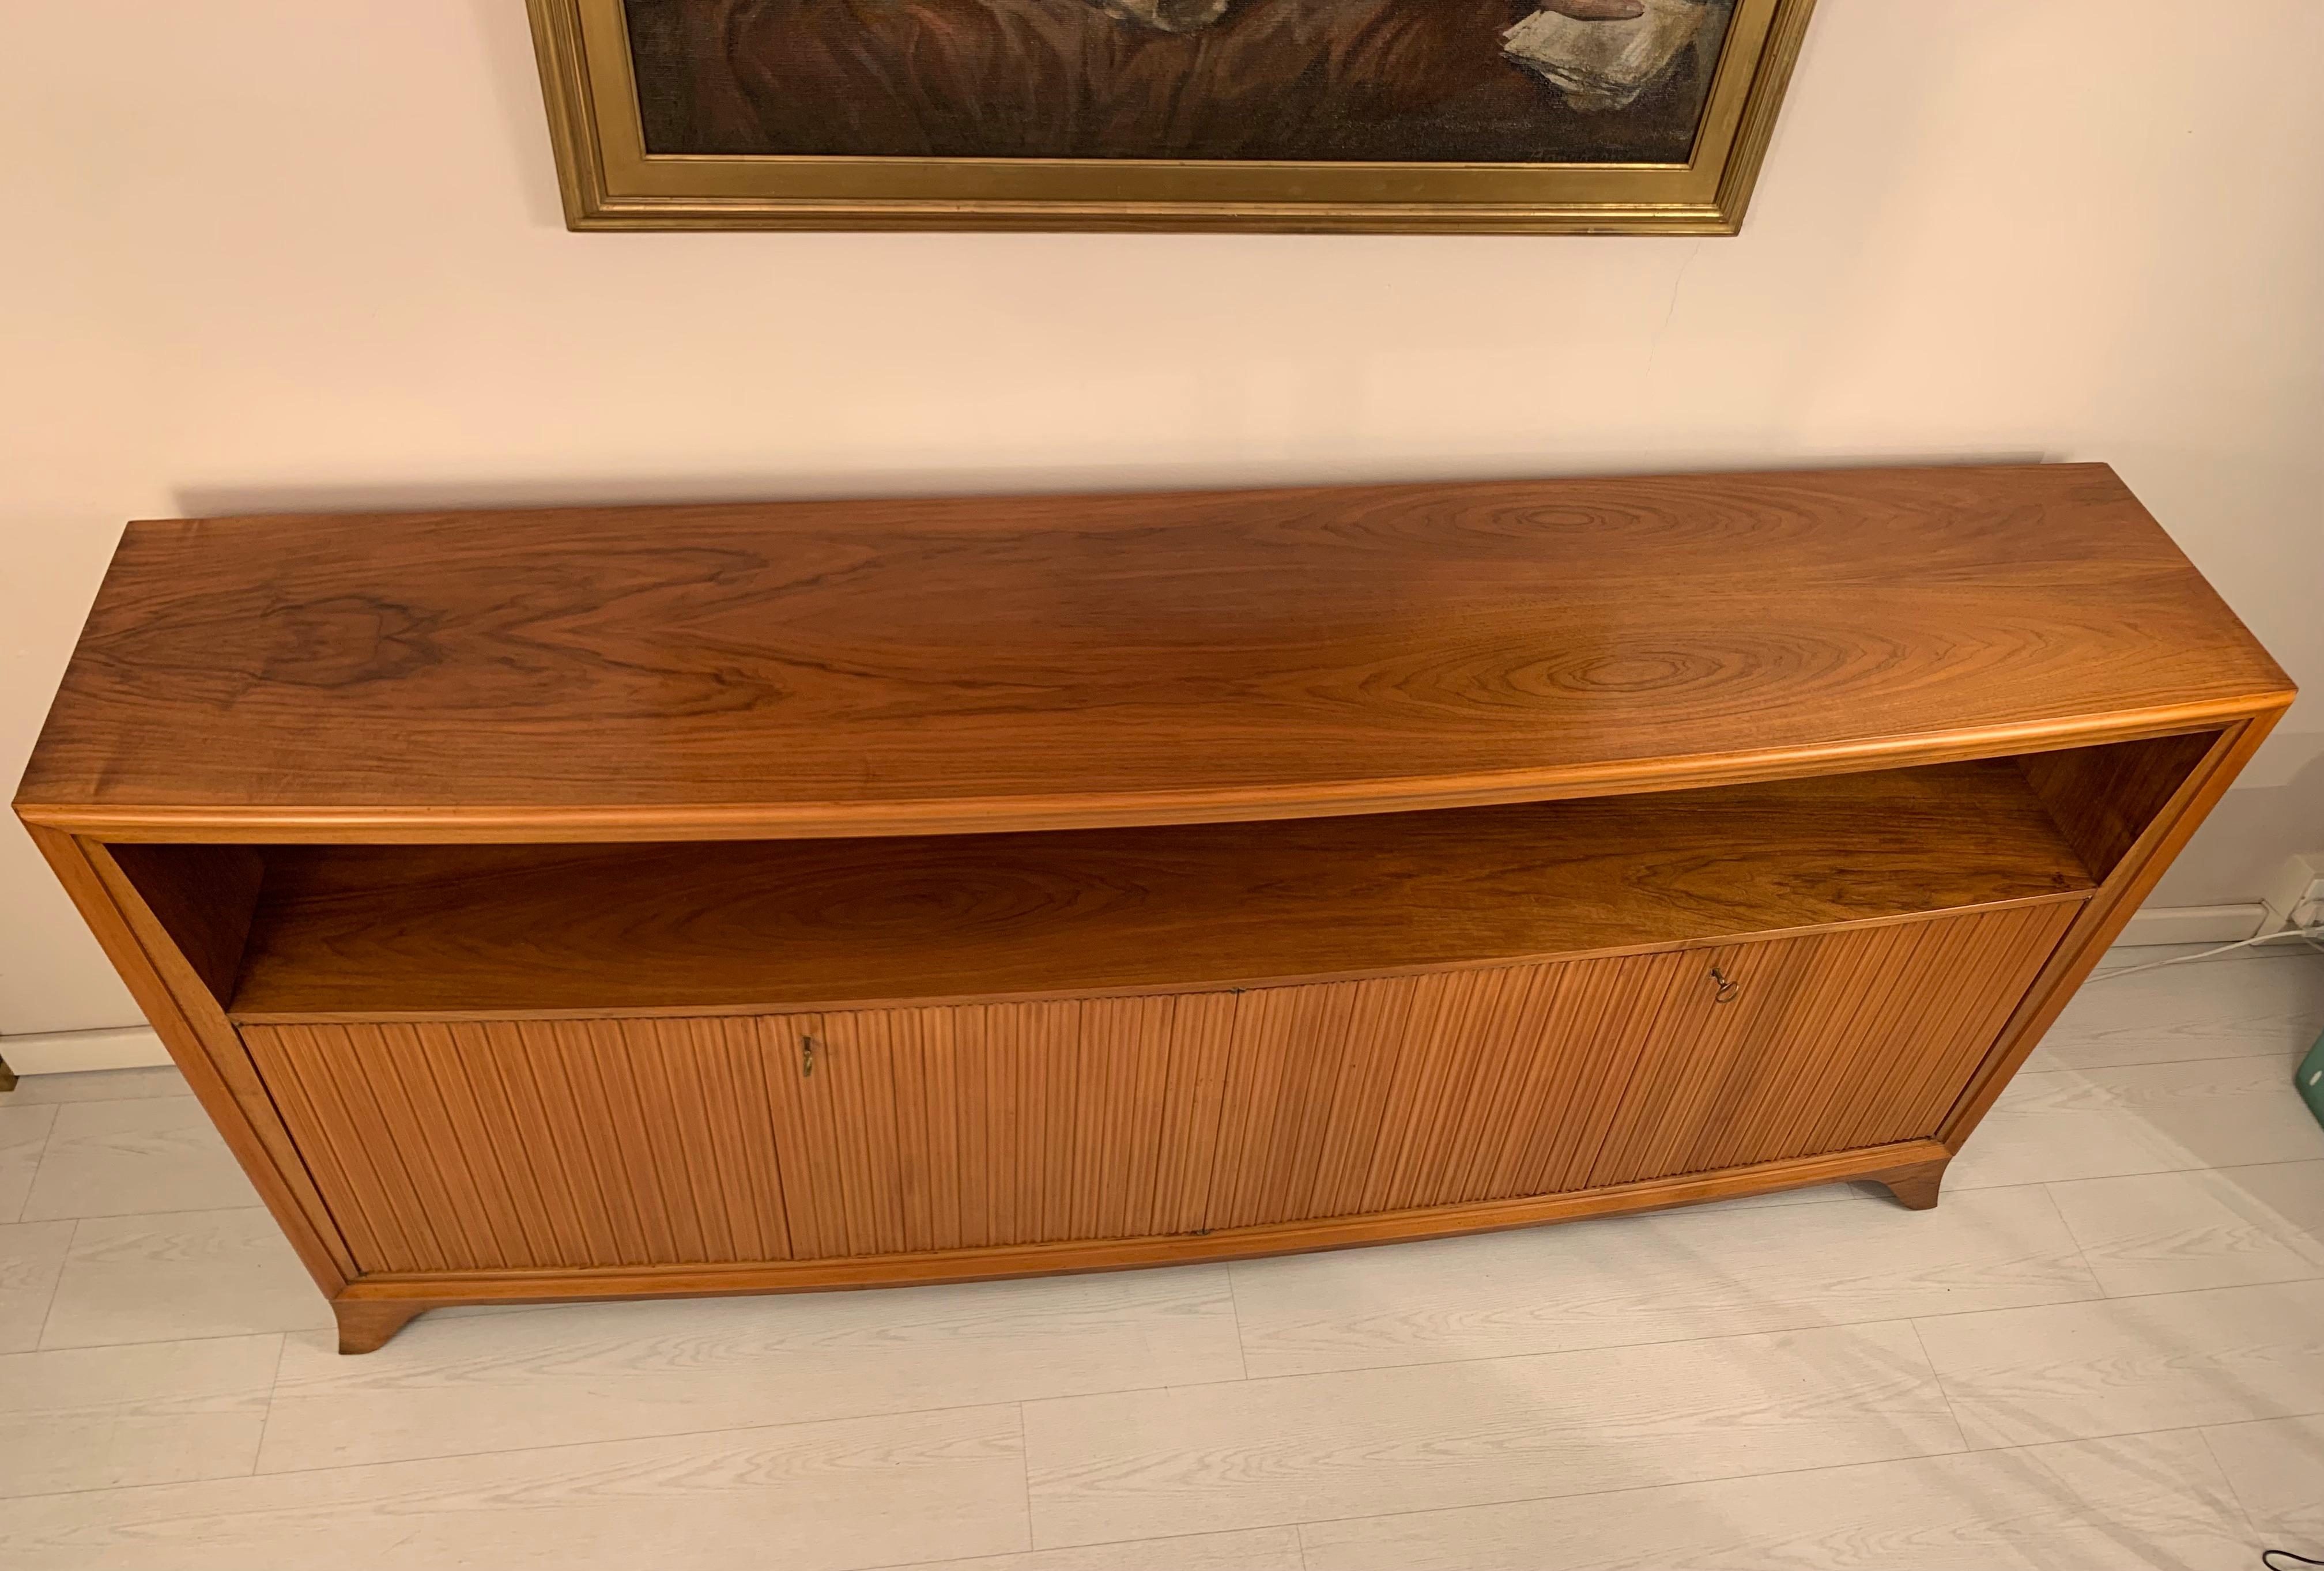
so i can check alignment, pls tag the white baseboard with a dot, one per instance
(2193, 924)
(59, 1052)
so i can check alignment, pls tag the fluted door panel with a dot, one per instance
(491, 1144)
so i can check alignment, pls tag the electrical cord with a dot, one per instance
(2269, 1559)
(2307, 935)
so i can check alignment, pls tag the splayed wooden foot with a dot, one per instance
(1916, 1186)
(366, 1324)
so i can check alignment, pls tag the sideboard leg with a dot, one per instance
(1915, 1187)
(366, 1324)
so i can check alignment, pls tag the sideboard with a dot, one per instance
(625, 901)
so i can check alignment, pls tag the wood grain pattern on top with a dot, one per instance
(853, 667)
(437, 931)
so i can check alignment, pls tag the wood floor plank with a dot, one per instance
(2157, 1233)
(1260, 1549)
(154, 1412)
(1662, 1278)
(24, 1135)
(120, 1158)
(2120, 1366)
(2149, 1500)
(2156, 1117)
(456, 1384)
(1266, 1452)
(32, 1258)
(178, 1275)
(2274, 1467)
(803, 1497)
(2224, 1008)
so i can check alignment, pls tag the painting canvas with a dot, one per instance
(1291, 114)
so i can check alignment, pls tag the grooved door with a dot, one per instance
(471, 1145)
(1828, 1042)
(1347, 1098)
(476, 1145)
(1372, 1095)
(955, 1125)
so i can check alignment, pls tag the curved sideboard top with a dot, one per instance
(875, 668)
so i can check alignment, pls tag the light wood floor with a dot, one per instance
(2105, 1350)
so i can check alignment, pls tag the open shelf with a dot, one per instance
(448, 930)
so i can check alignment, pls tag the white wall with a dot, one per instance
(271, 253)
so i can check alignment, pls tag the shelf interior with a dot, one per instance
(490, 929)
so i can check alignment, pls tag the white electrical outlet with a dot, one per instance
(2297, 898)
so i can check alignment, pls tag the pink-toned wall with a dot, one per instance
(271, 254)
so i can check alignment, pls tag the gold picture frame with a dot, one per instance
(610, 181)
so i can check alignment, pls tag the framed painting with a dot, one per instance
(1605, 116)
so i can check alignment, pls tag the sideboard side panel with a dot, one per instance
(2128, 884)
(192, 1024)
(2104, 797)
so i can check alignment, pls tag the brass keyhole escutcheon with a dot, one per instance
(806, 1058)
(1728, 987)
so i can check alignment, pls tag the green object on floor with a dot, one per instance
(2310, 1078)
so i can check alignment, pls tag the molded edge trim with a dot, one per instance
(443, 1288)
(816, 821)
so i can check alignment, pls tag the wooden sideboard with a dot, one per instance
(627, 901)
